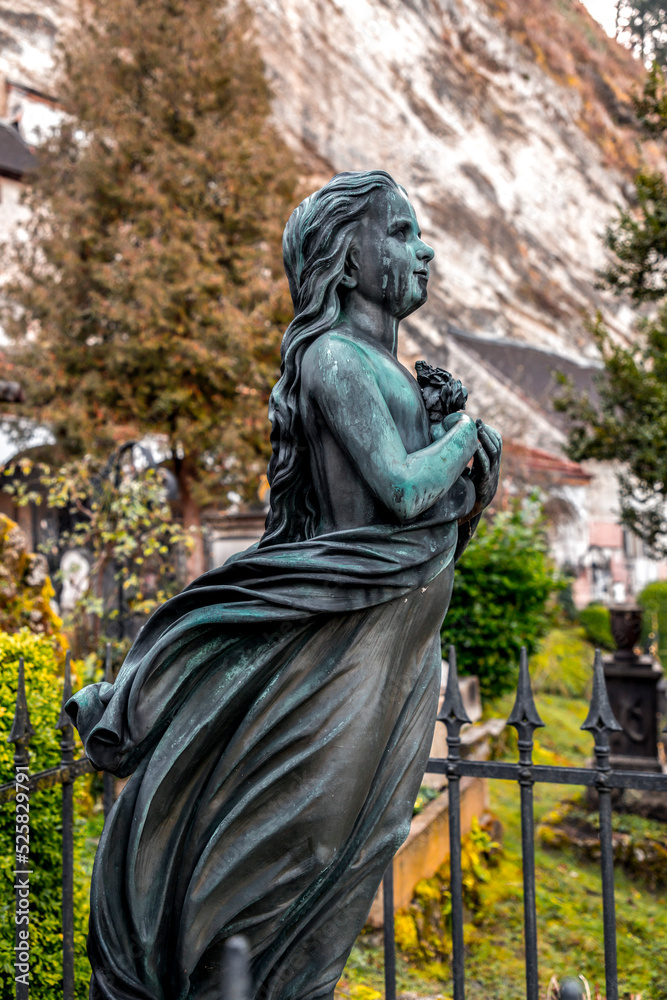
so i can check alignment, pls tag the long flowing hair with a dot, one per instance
(316, 243)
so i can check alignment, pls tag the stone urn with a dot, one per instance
(626, 628)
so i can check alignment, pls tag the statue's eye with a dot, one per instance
(401, 233)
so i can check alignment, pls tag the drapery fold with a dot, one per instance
(275, 718)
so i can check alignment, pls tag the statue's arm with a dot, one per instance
(341, 381)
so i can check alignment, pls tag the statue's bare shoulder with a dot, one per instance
(335, 363)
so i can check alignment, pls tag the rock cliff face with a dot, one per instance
(511, 135)
(28, 32)
(515, 162)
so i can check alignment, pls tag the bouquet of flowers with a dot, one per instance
(442, 393)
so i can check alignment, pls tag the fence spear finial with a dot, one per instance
(600, 718)
(64, 719)
(452, 713)
(525, 712)
(21, 728)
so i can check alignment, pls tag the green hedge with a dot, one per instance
(44, 692)
(653, 599)
(501, 599)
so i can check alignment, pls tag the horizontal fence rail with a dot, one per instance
(524, 717)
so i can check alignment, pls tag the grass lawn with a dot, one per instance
(569, 900)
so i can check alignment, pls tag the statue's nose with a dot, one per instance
(425, 252)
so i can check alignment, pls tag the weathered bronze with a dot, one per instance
(276, 716)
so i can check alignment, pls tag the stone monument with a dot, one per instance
(634, 685)
(275, 718)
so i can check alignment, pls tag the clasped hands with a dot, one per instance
(485, 469)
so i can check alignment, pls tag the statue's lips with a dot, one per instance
(423, 272)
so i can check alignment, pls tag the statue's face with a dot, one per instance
(391, 259)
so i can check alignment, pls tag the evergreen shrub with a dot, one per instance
(501, 598)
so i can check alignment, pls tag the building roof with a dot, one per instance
(16, 157)
(532, 369)
(542, 466)
(33, 93)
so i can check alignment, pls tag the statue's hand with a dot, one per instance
(485, 469)
(439, 429)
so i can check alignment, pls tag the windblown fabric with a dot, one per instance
(276, 719)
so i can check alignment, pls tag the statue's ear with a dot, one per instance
(349, 279)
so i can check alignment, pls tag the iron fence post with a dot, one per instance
(20, 735)
(454, 715)
(525, 719)
(66, 761)
(235, 973)
(600, 721)
(388, 932)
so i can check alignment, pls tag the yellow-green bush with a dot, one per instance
(43, 672)
(25, 587)
(563, 663)
(653, 599)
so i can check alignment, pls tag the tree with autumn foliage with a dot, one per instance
(151, 297)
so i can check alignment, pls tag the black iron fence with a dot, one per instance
(524, 717)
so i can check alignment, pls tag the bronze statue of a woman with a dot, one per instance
(276, 716)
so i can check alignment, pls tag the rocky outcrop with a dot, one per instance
(28, 33)
(514, 165)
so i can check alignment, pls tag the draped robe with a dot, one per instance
(275, 718)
